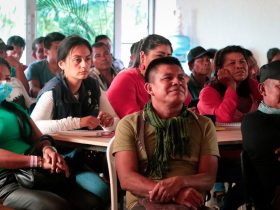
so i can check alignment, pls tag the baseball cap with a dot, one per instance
(197, 52)
(270, 71)
(5, 47)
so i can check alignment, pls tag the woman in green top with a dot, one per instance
(17, 132)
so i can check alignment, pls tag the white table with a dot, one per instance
(85, 142)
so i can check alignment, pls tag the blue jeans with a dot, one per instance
(91, 182)
(86, 177)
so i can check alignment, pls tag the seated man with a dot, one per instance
(117, 63)
(200, 66)
(260, 131)
(102, 62)
(176, 160)
(18, 44)
(40, 72)
(38, 48)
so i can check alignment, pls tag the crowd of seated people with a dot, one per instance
(73, 84)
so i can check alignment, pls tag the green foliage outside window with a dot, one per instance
(87, 18)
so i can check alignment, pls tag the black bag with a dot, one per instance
(38, 178)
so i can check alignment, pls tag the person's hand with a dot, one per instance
(277, 152)
(89, 122)
(106, 120)
(189, 197)
(226, 79)
(13, 62)
(54, 162)
(165, 190)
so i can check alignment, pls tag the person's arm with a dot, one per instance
(130, 179)
(11, 160)
(202, 181)
(19, 71)
(28, 100)
(32, 76)
(122, 94)
(51, 159)
(212, 103)
(35, 87)
(105, 106)
(42, 115)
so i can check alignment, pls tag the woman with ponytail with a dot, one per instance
(126, 93)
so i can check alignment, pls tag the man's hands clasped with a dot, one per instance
(172, 189)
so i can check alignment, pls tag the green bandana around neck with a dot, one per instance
(263, 107)
(171, 139)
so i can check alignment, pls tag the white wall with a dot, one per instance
(253, 24)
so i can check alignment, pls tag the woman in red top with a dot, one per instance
(229, 97)
(232, 93)
(127, 93)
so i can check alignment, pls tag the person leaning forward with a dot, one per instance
(179, 154)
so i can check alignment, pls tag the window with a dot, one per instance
(124, 21)
(87, 18)
(12, 20)
(134, 25)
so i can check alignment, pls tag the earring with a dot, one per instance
(142, 67)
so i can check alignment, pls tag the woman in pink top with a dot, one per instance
(232, 93)
(126, 93)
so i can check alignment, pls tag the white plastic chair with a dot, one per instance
(112, 175)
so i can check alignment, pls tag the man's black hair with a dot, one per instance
(159, 61)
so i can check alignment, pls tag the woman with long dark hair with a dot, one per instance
(73, 100)
(127, 93)
(232, 93)
(229, 96)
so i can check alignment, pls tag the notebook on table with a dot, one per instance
(93, 133)
(234, 124)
